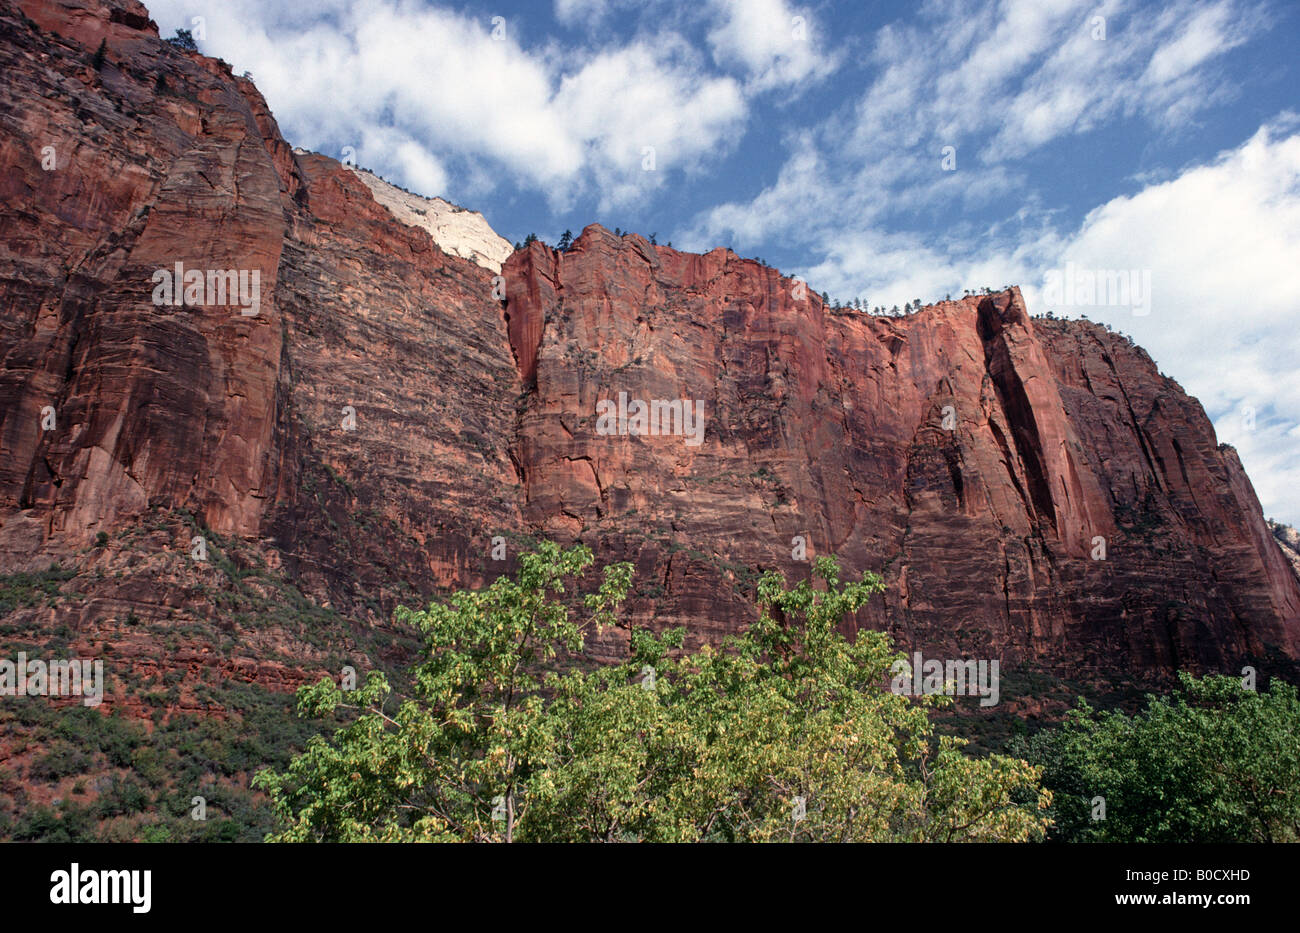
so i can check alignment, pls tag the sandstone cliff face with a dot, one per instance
(206, 408)
(1061, 439)
(149, 404)
(383, 417)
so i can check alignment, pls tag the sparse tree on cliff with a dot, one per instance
(184, 39)
(781, 733)
(566, 240)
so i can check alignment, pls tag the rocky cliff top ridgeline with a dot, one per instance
(364, 426)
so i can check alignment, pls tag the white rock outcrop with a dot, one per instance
(456, 230)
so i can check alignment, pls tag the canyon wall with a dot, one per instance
(384, 415)
(1028, 488)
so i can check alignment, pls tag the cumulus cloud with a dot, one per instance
(431, 95)
(643, 110)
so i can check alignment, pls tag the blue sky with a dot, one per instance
(1110, 135)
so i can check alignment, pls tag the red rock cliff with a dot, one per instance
(973, 456)
(1061, 438)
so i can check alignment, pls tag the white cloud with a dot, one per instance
(995, 83)
(430, 95)
(1205, 33)
(643, 110)
(774, 44)
(415, 163)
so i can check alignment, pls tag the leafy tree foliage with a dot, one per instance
(1215, 762)
(786, 732)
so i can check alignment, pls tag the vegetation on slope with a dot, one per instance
(781, 733)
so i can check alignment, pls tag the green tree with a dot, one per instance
(782, 732)
(184, 39)
(1214, 762)
(451, 763)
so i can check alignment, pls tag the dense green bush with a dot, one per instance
(1215, 762)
